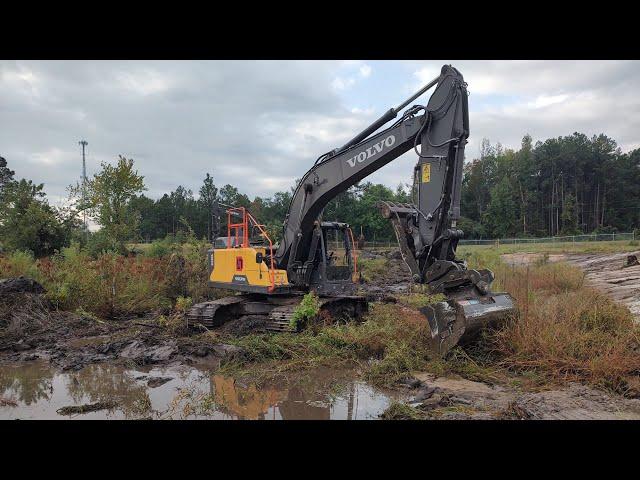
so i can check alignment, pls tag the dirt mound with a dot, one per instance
(20, 285)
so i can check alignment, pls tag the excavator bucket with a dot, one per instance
(463, 316)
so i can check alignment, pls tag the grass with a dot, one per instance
(401, 411)
(560, 247)
(371, 268)
(112, 285)
(389, 344)
(564, 330)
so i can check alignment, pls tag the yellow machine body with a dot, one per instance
(244, 270)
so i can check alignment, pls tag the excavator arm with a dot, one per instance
(427, 228)
(440, 130)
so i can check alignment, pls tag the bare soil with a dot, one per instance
(457, 398)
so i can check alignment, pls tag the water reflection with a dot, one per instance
(27, 384)
(188, 393)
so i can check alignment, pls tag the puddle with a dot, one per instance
(34, 390)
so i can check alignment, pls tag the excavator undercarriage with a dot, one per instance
(273, 313)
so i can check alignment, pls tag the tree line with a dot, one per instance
(562, 186)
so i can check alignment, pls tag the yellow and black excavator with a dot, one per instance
(272, 278)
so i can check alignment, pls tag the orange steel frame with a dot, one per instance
(355, 252)
(243, 227)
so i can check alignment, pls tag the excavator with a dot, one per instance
(272, 279)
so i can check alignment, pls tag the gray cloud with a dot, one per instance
(255, 124)
(261, 124)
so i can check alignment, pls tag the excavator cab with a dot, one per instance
(335, 263)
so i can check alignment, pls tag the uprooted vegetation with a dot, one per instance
(389, 343)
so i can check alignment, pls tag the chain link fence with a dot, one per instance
(593, 237)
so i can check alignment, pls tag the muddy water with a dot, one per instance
(34, 390)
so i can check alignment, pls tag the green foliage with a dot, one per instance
(113, 285)
(357, 206)
(27, 222)
(565, 185)
(308, 309)
(372, 268)
(18, 263)
(471, 228)
(100, 242)
(158, 249)
(183, 303)
(6, 175)
(108, 195)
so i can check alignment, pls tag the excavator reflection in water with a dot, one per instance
(248, 402)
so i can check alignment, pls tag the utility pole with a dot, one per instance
(84, 143)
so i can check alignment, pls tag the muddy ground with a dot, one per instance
(32, 330)
(461, 399)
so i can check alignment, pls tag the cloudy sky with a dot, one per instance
(261, 124)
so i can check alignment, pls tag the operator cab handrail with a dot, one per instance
(241, 231)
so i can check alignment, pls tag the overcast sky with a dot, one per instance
(261, 124)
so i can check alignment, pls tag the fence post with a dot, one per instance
(614, 236)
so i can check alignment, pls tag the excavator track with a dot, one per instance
(214, 313)
(279, 310)
(280, 319)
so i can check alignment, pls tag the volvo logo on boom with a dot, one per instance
(372, 151)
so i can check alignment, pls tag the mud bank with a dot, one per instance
(32, 329)
(461, 399)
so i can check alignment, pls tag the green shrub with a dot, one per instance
(18, 263)
(308, 309)
(99, 243)
(183, 304)
(158, 249)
